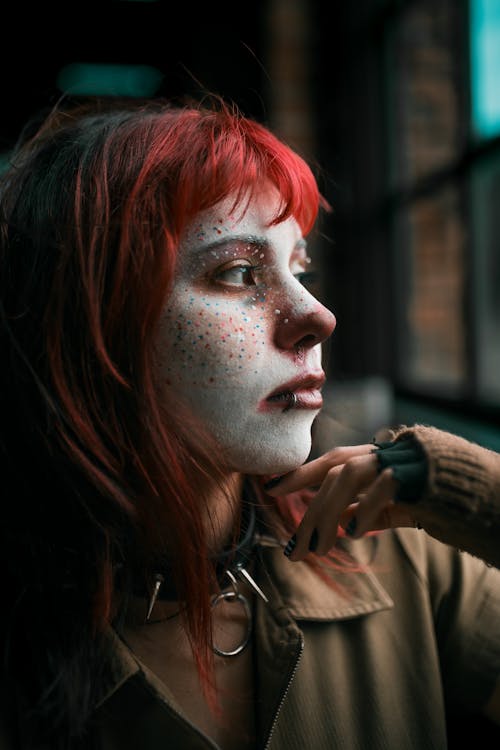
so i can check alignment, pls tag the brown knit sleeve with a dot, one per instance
(461, 502)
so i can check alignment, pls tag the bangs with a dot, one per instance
(221, 154)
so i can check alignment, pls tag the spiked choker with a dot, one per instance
(231, 567)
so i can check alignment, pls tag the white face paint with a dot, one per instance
(239, 326)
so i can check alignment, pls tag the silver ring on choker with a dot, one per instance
(234, 596)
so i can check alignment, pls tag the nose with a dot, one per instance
(303, 322)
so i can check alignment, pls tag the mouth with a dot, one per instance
(301, 393)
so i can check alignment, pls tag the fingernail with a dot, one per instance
(290, 546)
(350, 529)
(272, 483)
(313, 542)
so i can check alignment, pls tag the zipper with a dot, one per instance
(285, 692)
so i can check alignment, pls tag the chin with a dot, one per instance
(273, 459)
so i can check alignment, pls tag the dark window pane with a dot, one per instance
(429, 252)
(425, 74)
(485, 193)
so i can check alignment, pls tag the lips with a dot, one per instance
(306, 389)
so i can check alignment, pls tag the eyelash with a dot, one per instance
(303, 277)
(249, 272)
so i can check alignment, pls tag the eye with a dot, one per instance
(307, 278)
(239, 275)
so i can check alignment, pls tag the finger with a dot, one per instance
(378, 510)
(338, 490)
(307, 535)
(394, 515)
(348, 514)
(312, 474)
(373, 504)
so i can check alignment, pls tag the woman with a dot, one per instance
(161, 360)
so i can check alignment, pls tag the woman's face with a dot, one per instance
(240, 333)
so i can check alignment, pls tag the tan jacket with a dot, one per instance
(372, 671)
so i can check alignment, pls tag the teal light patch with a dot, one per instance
(94, 79)
(5, 161)
(485, 67)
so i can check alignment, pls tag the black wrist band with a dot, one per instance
(409, 467)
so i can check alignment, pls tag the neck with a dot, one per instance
(224, 506)
(229, 554)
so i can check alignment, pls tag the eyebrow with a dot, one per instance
(247, 239)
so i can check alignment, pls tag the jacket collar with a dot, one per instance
(120, 667)
(356, 590)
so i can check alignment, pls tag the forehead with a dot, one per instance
(250, 218)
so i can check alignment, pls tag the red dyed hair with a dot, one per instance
(92, 213)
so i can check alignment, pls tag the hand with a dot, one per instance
(349, 486)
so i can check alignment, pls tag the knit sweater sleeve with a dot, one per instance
(460, 502)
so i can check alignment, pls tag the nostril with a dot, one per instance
(305, 327)
(306, 341)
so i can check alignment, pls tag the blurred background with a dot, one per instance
(396, 104)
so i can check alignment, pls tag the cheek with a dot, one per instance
(202, 341)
